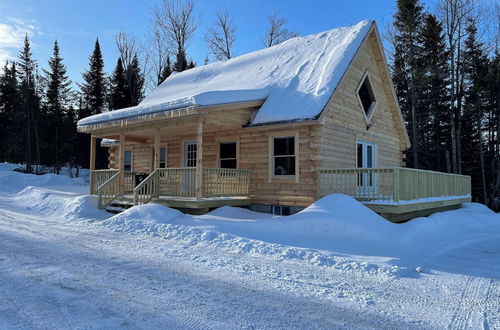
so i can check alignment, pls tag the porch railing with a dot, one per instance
(98, 177)
(221, 182)
(392, 184)
(108, 191)
(181, 182)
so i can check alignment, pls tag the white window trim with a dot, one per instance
(375, 150)
(153, 157)
(218, 141)
(184, 149)
(374, 105)
(131, 159)
(272, 176)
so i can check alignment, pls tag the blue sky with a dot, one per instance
(76, 24)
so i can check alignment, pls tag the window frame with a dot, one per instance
(272, 157)
(367, 77)
(131, 160)
(228, 140)
(185, 155)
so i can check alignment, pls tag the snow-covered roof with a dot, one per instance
(295, 78)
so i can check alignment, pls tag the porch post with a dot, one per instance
(157, 150)
(199, 159)
(92, 162)
(121, 163)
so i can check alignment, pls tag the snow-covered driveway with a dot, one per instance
(58, 272)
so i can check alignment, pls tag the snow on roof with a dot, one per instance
(295, 78)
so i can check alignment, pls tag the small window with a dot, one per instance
(366, 96)
(127, 163)
(227, 155)
(163, 157)
(280, 210)
(284, 156)
(190, 154)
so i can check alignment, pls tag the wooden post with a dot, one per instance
(395, 185)
(92, 163)
(157, 150)
(199, 159)
(121, 163)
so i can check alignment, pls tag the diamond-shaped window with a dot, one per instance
(366, 96)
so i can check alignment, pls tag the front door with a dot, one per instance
(188, 184)
(366, 159)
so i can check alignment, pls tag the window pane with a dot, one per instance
(366, 95)
(227, 150)
(163, 165)
(128, 156)
(162, 155)
(369, 156)
(228, 163)
(127, 167)
(284, 165)
(360, 155)
(284, 146)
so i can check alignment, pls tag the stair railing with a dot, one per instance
(147, 189)
(108, 191)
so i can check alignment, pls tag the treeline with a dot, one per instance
(447, 79)
(39, 109)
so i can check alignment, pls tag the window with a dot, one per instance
(163, 157)
(366, 96)
(227, 155)
(280, 210)
(127, 163)
(366, 159)
(284, 156)
(190, 154)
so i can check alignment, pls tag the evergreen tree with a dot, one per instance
(118, 88)
(57, 97)
(11, 119)
(434, 100)
(181, 63)
(408, 23)
(135, 82)
(94, 85)
(166, 72)
(475, 71)
(29, 103)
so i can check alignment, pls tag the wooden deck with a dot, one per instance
(398, 194)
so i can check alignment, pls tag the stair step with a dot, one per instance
(115, 209)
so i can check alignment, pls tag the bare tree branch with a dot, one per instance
(276, 32)
(176, 19)
(220, 38)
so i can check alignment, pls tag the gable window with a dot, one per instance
(366, 96)
(127, 160)
(227, 155)
(284, 156)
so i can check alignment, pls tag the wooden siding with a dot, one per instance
(344, 121)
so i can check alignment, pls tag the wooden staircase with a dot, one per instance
(119, 205)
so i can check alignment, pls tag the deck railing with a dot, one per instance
(108, 191)
(98, 177)
(177, 182)
(222, 182)
(392, 184)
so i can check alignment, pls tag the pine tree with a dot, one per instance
(29, 104)
(166, 72)
(434, 99)
(181, 63)
(11, 119)
(135, 82)
(118, 88)
(94, 85)
(475, 71)
(408, 22)
(57, 97)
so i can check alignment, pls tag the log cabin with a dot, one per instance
(272, 130)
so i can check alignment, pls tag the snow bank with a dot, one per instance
(57, 204)
(295, 78)
(12, 182)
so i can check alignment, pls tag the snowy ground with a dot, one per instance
(64, 264)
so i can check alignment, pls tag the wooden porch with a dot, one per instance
(398, 193)
(174, 187)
